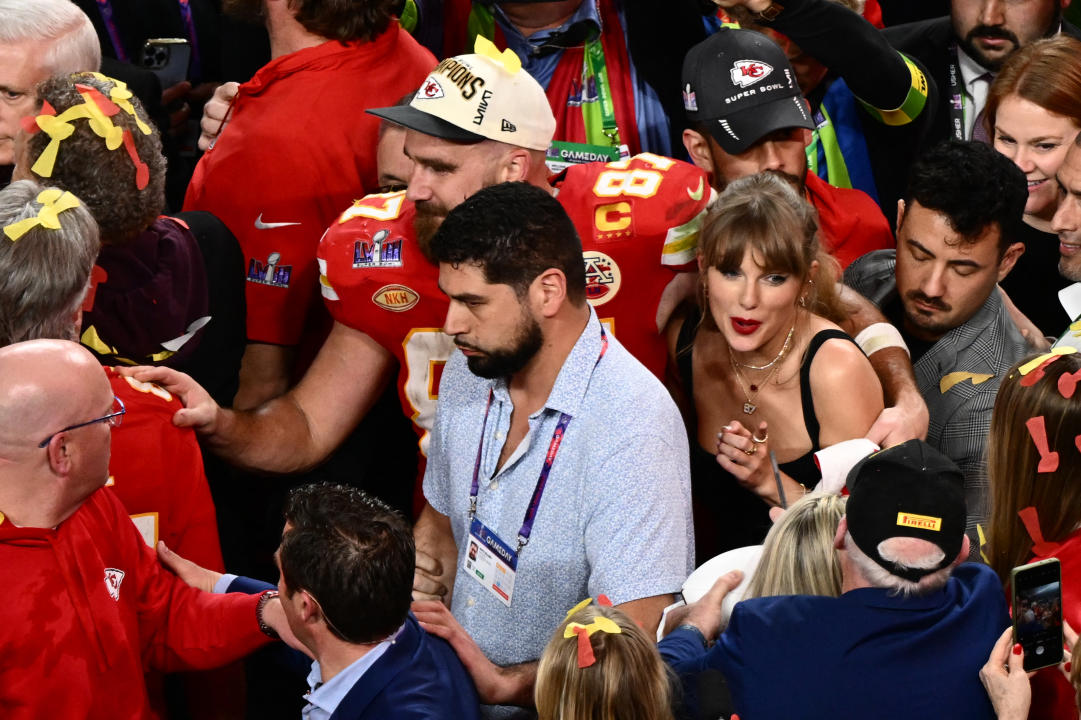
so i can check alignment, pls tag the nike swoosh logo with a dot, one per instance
(260, 225)
(697, 194)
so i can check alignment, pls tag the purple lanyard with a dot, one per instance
(549, 460)
(189, 28)
(105, 8)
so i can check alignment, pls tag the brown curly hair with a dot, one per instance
(344, 20)
(103, 179)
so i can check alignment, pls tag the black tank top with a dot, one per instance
(726, 515)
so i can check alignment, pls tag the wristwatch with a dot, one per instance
(263, 600)
(771, 12)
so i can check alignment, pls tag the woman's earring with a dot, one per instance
(803, 301)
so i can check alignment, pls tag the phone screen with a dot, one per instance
(1037, 613)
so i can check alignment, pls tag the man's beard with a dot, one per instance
(1068, 270)
(504, 363)
(250, 11)
(429, 216)
(799, 184)
(994, 65)
(971, 49)
(922, 321)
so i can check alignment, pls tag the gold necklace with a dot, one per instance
(749, 406)
(781, 354)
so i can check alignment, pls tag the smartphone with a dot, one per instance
(168, 58)
(1037, 612)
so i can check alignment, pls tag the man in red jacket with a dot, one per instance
(88, 604)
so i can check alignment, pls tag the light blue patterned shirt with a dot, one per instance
(615, 517)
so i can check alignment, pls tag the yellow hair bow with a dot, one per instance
(599, 624)
(582, 632)
(53, 202)
(101, 125)
(57, 127)
(1038, 361)
(508, 59)
(121, 95)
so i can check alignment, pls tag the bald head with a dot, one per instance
(46, 385)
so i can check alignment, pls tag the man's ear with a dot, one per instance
(900, 218)
(1009, 259)
(59, 450)
(698, 148)
(550, 291)
(966, 546)
(839, 536)
(515, 165)
(806, 134)
(309, 610)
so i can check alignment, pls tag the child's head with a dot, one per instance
(599, 665)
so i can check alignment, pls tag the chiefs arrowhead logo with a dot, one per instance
(747, 72)
(430, 90)
(113, 578)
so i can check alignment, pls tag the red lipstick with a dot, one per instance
(745, 326)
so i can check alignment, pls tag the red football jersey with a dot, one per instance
(638, 220)
(156, 469)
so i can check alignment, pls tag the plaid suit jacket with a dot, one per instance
(958, 378)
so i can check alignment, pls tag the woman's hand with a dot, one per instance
(746, 456)
(1005, 679)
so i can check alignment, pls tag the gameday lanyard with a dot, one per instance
(599, 117)
(957, 95)
(105, 9)
(549, 461)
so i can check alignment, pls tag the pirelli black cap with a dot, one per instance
(909, 490)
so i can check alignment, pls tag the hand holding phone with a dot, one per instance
(1037, 612)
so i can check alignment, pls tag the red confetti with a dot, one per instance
(1038, 430)
(107, 106)
(1067, 383)
(142, 172)
(1031, 521)
(585, 648)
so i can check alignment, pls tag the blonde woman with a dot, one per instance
(599, 665)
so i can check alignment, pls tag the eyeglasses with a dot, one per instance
(112, 418)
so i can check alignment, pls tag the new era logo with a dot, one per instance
(747, 72)
(508, 126)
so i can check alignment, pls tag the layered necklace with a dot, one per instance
(751, 392)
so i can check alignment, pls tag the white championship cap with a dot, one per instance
(483, 96)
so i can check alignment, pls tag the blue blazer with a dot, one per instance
(419, 676)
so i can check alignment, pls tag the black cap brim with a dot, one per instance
(409, 117)
(750, 125)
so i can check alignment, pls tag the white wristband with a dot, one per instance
(879, 336)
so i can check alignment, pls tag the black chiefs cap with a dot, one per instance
(909, 490)
(739, 85)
